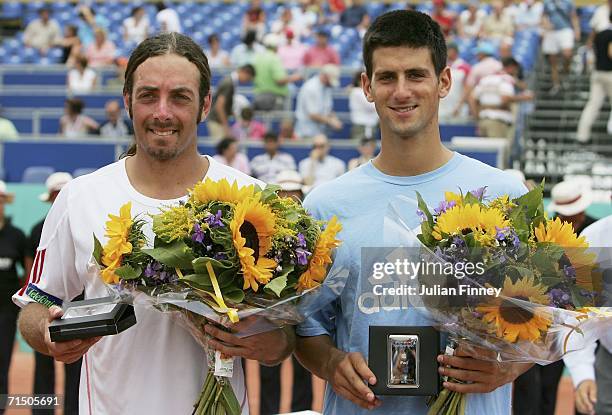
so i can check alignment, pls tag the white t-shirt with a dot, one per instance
(490, 91)
(81, 83)
(363, 112)
(601, 19)
(168, 21)
(154, 367)
(136, 32)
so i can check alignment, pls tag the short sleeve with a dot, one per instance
(53, 278)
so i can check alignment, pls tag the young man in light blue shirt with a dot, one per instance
(406, 76)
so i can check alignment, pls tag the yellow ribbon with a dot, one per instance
(232, 313)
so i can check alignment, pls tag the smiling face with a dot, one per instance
(405, 90)
(164, 106)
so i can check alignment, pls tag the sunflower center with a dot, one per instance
(514, 314)
(248, 232)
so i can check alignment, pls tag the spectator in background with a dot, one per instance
(321, 53)
(364, 119)
(286, 130)
(167, 19)
(314, 110)
(71, 45)
(223, 101)
(88, 22)
(292, 185)
(246, 127)
(254, 19)
(470, 21)
(305, 17)
(284, 24)
(497, 27)
(268, 165)
(12, 252)
(136, 28)
(354, 14)
(292, 52)
(81, 79)
(271, 83)
(460, 69)
(367, 150)
(245, 52)
(42, 33)
(217, 57)
(228, 154)
(561, 30)
(363, 26)
(8, 132)
(44, 366)
(443, 17)
(569, 201)
(529, 15)
(102, 52)
(487, 65)
(492, 100)
(601, 76)
(320, 166)
(115, 126)
(73, 124)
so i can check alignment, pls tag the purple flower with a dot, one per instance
(444, 206)
(302, 256)
(214, 221)
(421, 215)
(458, 242)
(479, 193)
(301, 240)
(220, 256)
(569, 272)
(152, 269)
(559, 298)
(198, 234)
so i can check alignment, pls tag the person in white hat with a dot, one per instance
(12, 252)
(570, 200)
(291, 184)
(44, 366)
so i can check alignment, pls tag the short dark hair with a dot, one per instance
(212, 37)
(270, 136)
(136, 9)
(248, 68)
(247, 113)
(75, 105)
(405, 28)
(510, 61)
(224, 144)
(165, 44)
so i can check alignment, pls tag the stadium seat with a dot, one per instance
(37, 174)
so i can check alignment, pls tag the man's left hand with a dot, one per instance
(269, 348)
(484, 375)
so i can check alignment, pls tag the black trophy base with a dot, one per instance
(92, 318)
(403, 360)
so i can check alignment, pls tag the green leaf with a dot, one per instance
(201, 280)
(228, 398)
(233, 294)
(470, 199)
(175, 254)
(532, 202)
(276, 286)
(97, 252)
(423, 207)
(127, 272)
(269, 193)
(199, 265)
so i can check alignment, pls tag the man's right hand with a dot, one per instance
(586, 397)
(68, 351)
(348, 373)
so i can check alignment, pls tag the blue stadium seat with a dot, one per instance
(81, 171)
(37, 174)
(11, 9)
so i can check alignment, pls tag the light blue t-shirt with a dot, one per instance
(360, 199)
(559, 12)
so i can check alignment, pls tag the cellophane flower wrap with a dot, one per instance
(533, 289)
(226, 253)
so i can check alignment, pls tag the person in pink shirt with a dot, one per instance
(228, 153)
(321, 53)
(292, 53)
(102, 51)
(247, 128)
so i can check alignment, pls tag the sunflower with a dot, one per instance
(117, 232)
(512, 322)
(321, 257)
(252, 213)
(222, 191)
(562, 233)
(484, 222)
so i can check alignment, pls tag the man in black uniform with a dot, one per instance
(12, 251)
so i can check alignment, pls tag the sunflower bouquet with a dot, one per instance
(532, 294)
(225, 253)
